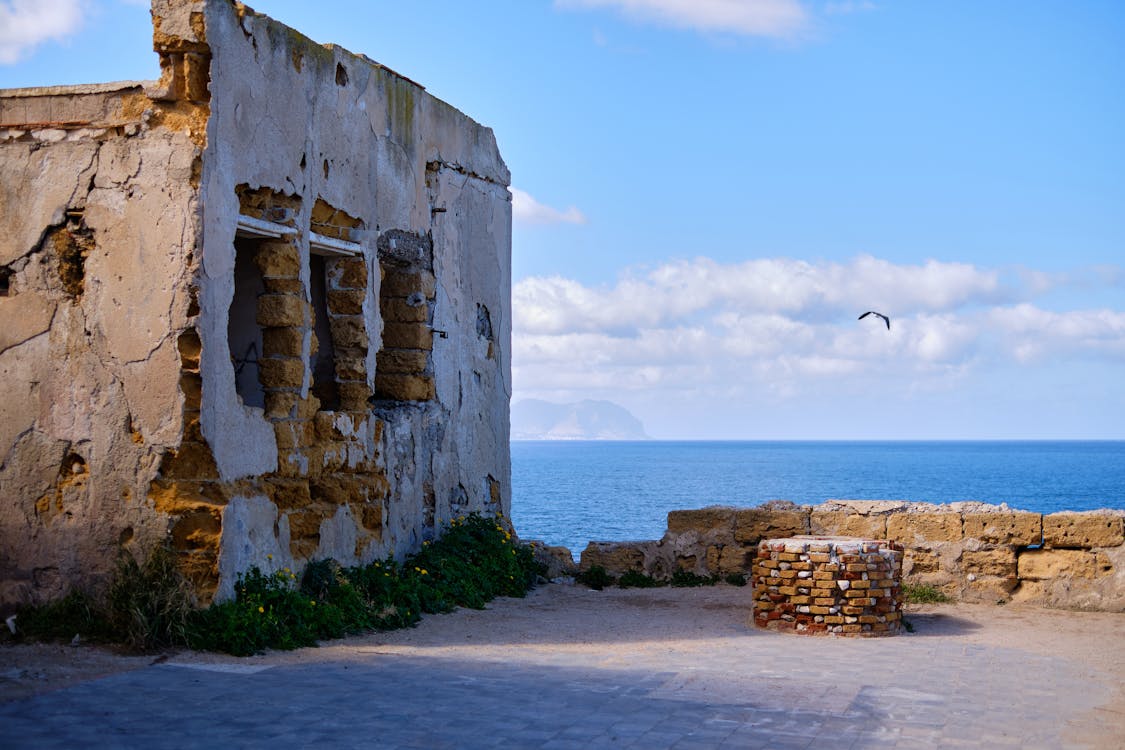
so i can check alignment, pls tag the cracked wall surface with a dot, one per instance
(174, 371)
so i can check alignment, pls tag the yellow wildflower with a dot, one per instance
(261, 609)
(424, 572)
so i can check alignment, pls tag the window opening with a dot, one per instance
(244, 335)
(323, 358)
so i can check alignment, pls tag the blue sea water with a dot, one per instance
(569, 493)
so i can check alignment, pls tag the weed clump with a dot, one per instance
(635, 579)
(923, 593)
(736, 579)
(595, 577)
(475, 561)
(146, 607)
(685, 578)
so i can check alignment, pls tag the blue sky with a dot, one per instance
(709, 192)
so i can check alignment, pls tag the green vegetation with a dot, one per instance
(145, 608)
(595, 577)
(685, 579)
(635, 579)
(736, 579)
(922, 593)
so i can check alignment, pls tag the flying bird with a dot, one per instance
(878, 315)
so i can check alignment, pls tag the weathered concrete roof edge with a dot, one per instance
(74, 89)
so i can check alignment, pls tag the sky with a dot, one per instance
(707, 194)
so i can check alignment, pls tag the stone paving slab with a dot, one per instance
(747, 689)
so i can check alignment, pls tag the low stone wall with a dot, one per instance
(971, 551)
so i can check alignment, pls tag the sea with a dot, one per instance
(571, 492)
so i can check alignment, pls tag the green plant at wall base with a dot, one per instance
(149, 606)
(635, 579)
(736, 579)
(475, 561)
(922, 593)
(76, 614)
(146, 607)
(685, 578)
(595, 577)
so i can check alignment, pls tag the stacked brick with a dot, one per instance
(828, 585)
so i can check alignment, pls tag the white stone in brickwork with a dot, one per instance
(844, 585)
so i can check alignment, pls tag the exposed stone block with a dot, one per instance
(404, 387)
(278, 260)
(1062, 563)
(349, 331)
(191, 385)
(353, 396)
(985, 588)
(283, 285)
(350, 273)
(351, 368)
(754, 524)
(989, 562)
(338, 490)
(407, 336)
(288, 494)
(401, 311)
(275, 310)
(842, 523)
(284, 342)
(1015, 528)
(197, 530)
(1083, 530)
(715, 518)
(281, 372)
(401, 283)
(346, 301)
(190, 348)
(371, 516)
(280, 404)
(190, 461)
(615, 557)
(402, 361)
(912, 528)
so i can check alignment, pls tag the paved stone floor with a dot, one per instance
(467, 686)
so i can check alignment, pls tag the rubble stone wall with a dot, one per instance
(970, 551)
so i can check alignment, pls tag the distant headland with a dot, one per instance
(533, 419)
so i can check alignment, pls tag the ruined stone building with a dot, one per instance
(259, 308)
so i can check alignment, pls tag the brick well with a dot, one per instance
(828, 585)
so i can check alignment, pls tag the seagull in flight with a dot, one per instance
(878, 315)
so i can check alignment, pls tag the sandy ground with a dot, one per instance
(558, 623)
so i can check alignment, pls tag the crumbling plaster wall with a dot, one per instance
(98, 209)
(319, 123)
(120, 419)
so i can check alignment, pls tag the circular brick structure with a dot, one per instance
(818, 585)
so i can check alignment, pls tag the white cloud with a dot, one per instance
(681, 289)
(789, 328)
(25, 24)
(770, 18)
(530, 211)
